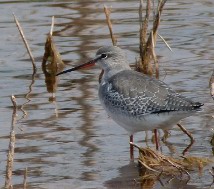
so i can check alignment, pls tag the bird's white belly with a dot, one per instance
(147, 122)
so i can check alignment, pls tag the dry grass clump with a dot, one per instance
(154, 164)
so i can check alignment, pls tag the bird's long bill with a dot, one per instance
(86, 65)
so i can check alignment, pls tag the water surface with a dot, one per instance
(71, 142)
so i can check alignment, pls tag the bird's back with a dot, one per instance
(136, 94)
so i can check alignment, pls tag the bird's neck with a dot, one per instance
(109, 72)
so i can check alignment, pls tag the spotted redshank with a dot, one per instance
(134, 100)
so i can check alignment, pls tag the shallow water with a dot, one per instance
(71, 142)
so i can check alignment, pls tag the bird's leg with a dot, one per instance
(156, 139)
(131, 147)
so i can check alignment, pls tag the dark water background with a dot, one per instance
(71, 142)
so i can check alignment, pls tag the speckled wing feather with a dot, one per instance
(137, 94)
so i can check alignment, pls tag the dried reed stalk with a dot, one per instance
(211, 171)
(155, 57)
(33, 64)
(211, 84)
(144, 64)
(25, 42)
(10, 156)
(189, 135)
(25, 179)
(52, 25)
(113, 38)
(51, 64)
(147, 52)
(165, 42)
(107, 13)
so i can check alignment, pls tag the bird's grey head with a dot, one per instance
(111, 59)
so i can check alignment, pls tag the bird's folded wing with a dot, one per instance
(134, 93)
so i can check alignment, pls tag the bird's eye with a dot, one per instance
(103, 56)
